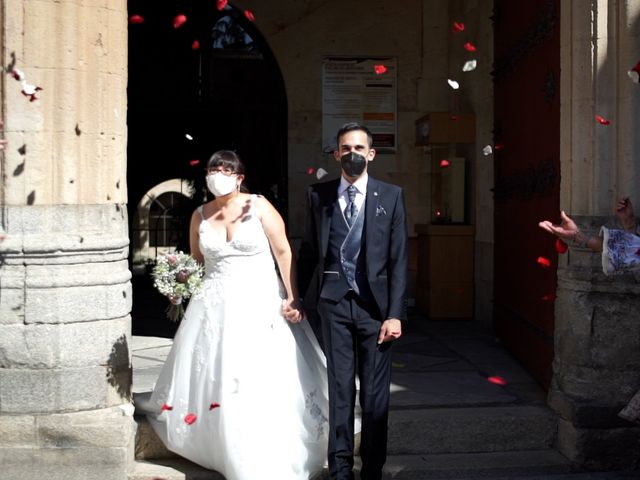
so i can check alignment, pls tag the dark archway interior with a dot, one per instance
(184, 103)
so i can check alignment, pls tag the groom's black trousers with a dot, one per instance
(350, 329)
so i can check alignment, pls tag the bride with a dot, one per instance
(243, 391)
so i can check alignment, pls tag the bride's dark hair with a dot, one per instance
(228, 160)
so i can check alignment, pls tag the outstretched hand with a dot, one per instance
(624, 213)
(567, 229)
(391, 329)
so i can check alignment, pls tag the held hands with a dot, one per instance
(391, 329)
(292, 311)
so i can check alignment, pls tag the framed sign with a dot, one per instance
(363, 90)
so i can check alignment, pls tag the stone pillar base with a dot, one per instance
(89, 445)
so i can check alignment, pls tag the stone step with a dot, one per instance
(171, 469)
(447, 466)
(475, 465)
(471, 429)
(432, 430)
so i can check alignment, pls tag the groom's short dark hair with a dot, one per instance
(350, 127)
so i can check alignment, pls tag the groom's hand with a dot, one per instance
(391, 329)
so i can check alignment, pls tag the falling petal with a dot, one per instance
(454, 118)
(561, 247)
(602, 121)
(179, 20)
(249, 15)
(136, 19)
(497, 380)
(195, 45)
(380, 69)
(453, 84)
(470, 47)
(438, 213)
(634, 73)
(498, 146)
(166, 407)
(193, 163)
(458, 27)
(549, 297)
(17, 74)
(444, 163)
(190, 418)
(221, 4)
(544, 262)
(310, 171)
(487, 150)
(321, 173)
(469, 65)
(188, 137)
(213, 405)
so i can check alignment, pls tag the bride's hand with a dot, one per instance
(567, 230)
(292, 311)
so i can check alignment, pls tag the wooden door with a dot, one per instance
(527, 177)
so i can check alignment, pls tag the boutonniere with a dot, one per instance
(380, 211)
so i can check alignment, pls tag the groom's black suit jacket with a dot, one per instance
(385, 231)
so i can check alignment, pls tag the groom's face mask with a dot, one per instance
(353, 164)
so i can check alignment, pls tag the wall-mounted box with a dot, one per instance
(445, 127)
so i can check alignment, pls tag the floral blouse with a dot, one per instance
(620, 251)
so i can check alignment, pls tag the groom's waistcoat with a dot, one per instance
(345, 267)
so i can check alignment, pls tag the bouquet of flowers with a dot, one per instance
(177, 276)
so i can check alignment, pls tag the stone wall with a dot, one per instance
(597, 318)
(65, 295)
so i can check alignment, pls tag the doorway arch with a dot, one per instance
(211, 84)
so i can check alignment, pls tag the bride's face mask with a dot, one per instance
(221, 183)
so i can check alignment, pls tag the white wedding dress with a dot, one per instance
(243, 391)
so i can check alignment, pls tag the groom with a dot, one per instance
(356, 242)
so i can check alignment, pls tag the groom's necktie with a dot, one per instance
(351, 211)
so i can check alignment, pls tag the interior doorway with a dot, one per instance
(211, 83)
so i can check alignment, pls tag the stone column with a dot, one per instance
(597, 333)
(65, 295)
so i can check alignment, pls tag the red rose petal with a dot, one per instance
(455, 118)
(136, 19)
(190, 418)
(179, 20)
(602, 121)
(250, 16)
(498, 146)
(549, 297)
(194, 162)
(561, 247)
(458, 27)
(214, 405)
(380, 69)
(444, 163)
(195, 45)
(497, 380)
(166, 407)
(470, 47)
(310, 171)
(220, 4)
(544, 262)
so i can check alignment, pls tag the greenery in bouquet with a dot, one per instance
(177, 276)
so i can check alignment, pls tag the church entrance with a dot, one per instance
(200, 80)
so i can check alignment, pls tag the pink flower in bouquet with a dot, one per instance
(172, 259)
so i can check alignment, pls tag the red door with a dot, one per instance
(527, 177)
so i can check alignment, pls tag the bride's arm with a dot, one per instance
(273, 226)
(194, 236)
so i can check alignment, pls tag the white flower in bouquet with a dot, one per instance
(177, 276)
